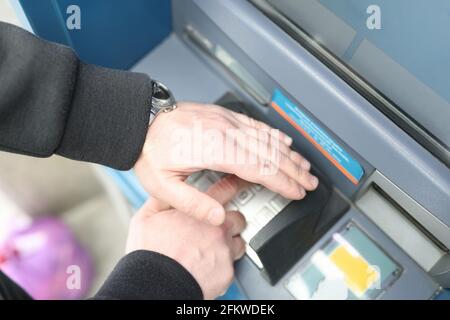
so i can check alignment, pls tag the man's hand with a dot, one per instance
(195, 137)
(206, 251)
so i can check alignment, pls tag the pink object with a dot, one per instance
(47, 261)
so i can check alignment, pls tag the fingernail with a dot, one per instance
(306, 165)
(302, 193)
(288, 140)
(314, 181)
(216, 216)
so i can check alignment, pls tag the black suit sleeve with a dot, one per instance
(140, 275)
(9, 290)
(150, 276)
(51, 102)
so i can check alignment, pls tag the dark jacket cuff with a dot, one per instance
(146, 275)
(108, 119)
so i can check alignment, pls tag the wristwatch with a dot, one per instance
(162, 100)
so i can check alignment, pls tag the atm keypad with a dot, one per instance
(244, 197)
(258, 205)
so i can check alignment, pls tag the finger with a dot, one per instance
(300, 160)
(259, 131)
(260, 141)
(227, 188)
(264, 172)
(243, 120)
(237, 248)
(263, 126)
(188, 199)
(296, 172)
(262, 138)
(269, 151)
(266, 134)
(279, 182)
(260, 134)
(234, 223)
(259, 138)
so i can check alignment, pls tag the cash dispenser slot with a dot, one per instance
(424, 238)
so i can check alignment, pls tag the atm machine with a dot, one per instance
(378, 225)
(370, 109)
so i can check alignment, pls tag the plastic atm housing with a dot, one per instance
(293, 232)
(288, 236)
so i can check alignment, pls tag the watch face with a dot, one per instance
(162, 97)
(160, 93)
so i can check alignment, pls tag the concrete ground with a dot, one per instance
(67, 189)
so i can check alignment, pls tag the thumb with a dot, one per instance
(156, 205)
(188, 199)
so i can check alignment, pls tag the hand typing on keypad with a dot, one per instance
(258, 205)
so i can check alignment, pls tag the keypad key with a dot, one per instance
(279, 203)
(244, 197)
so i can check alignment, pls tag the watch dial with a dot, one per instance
(160, 94)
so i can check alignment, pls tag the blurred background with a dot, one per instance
(79, 196)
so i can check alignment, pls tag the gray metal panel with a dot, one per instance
(414, 282)
(424, 104)
(318, 20)
(439, 230)
(187, 14)
(337, 105)
(191, 79)
(183, 71)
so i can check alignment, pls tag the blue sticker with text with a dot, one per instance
(351, 168)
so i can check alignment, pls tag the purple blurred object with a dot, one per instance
(47, 261)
